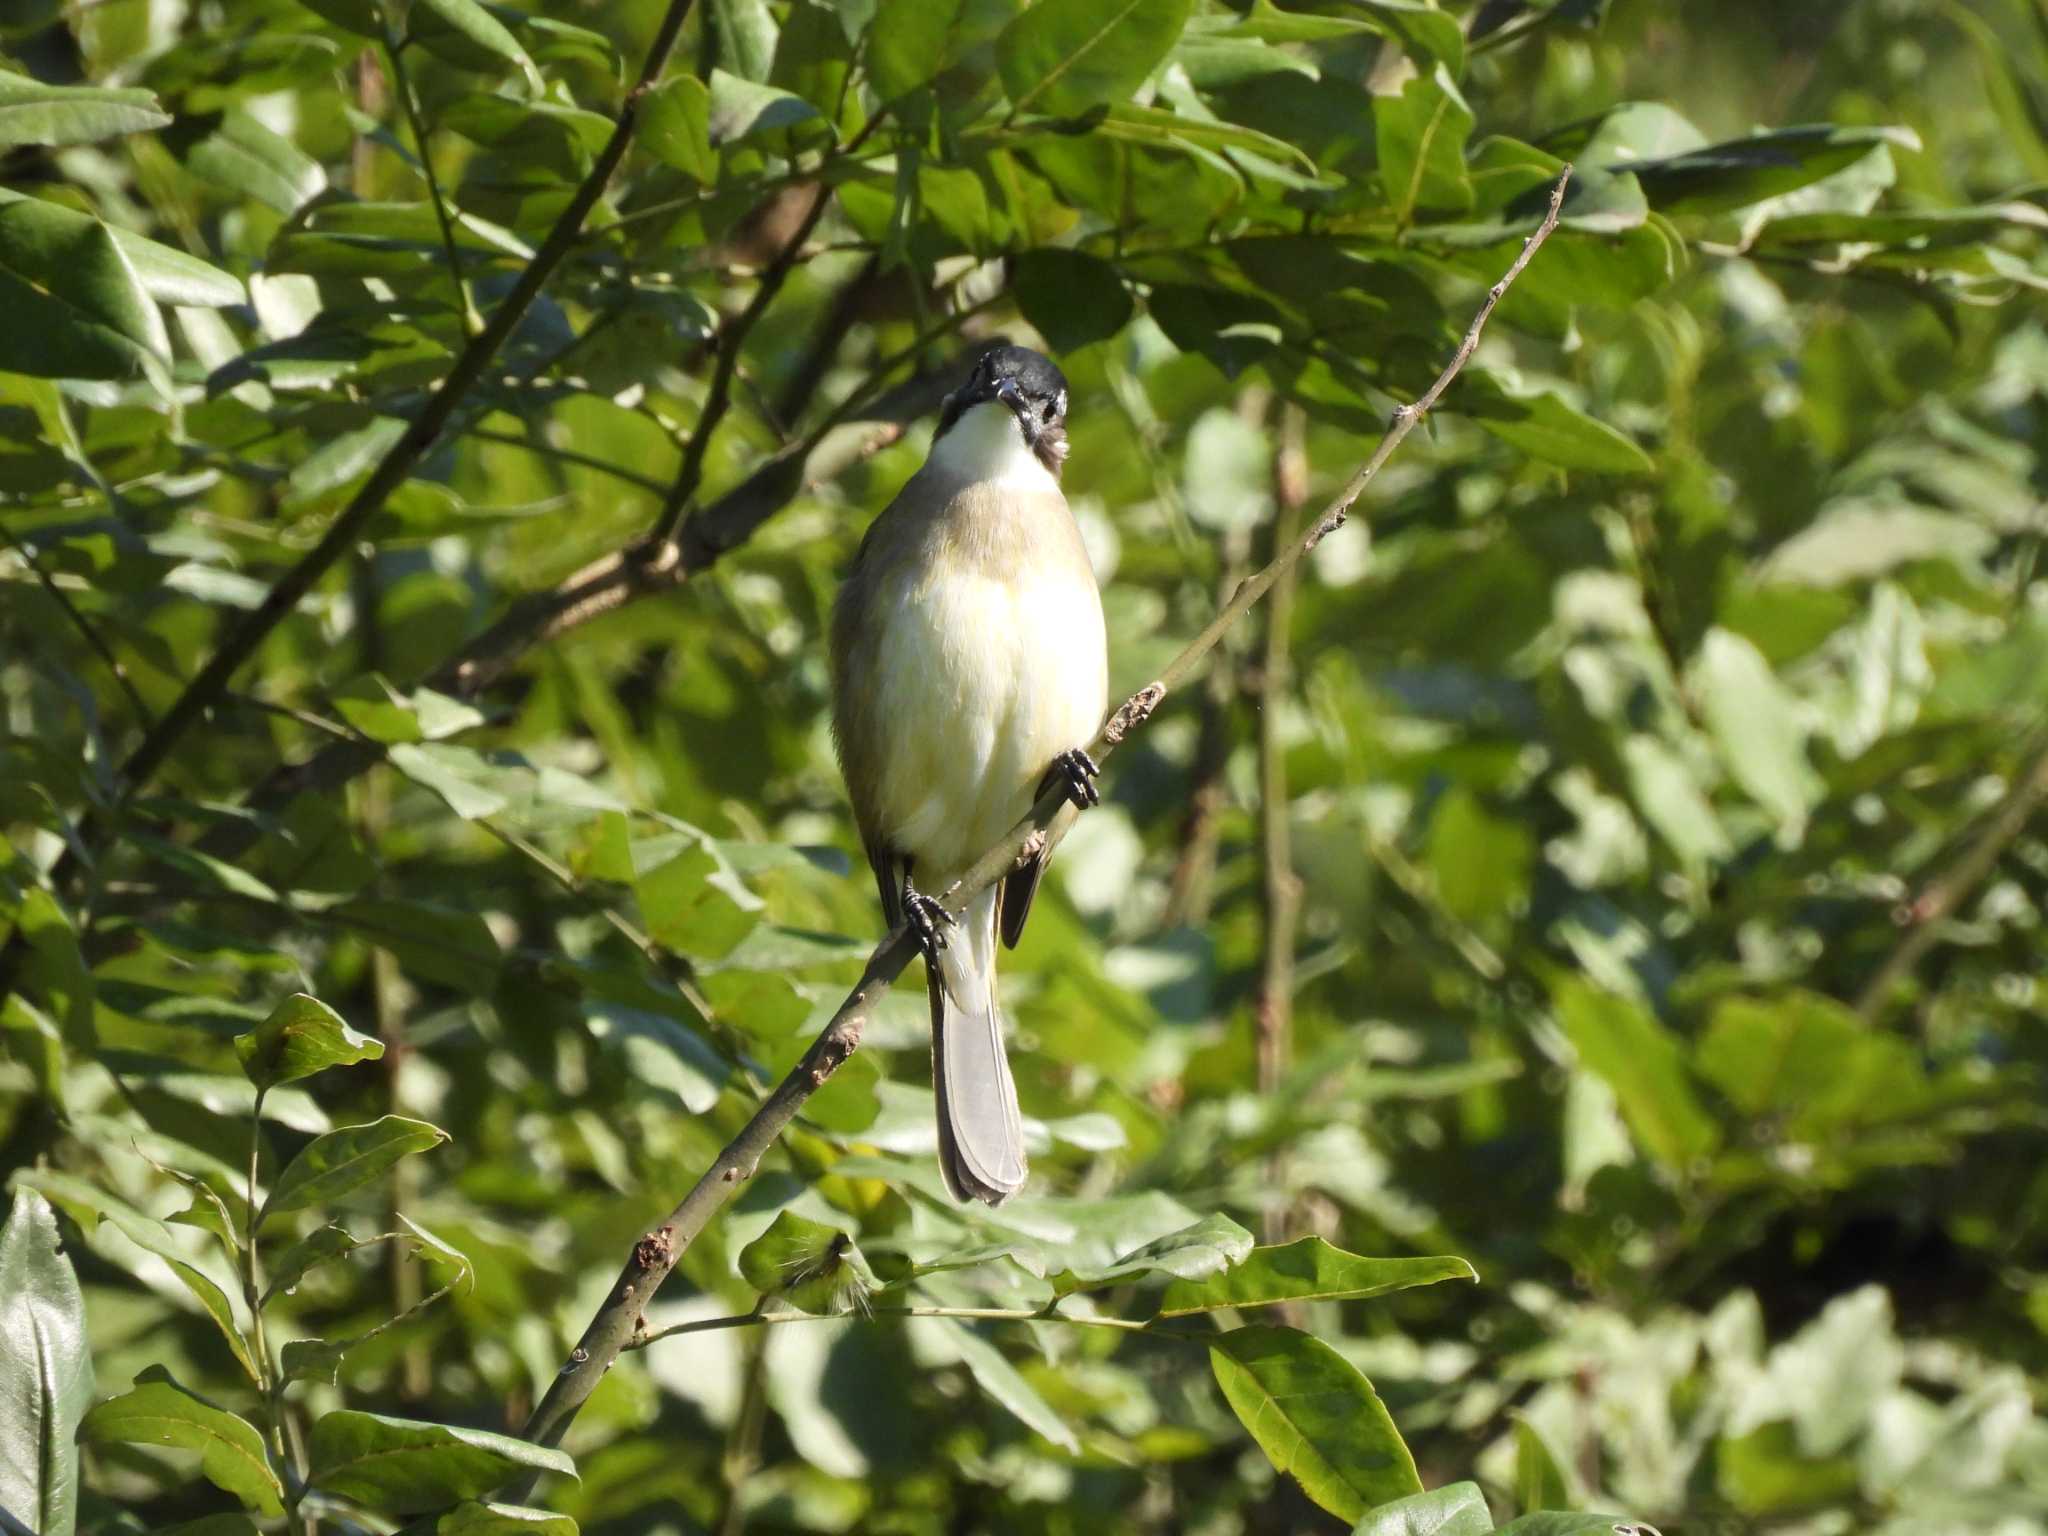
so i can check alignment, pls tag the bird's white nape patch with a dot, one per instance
(986, 446)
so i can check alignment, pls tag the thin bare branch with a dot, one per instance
(620, 1318)
(394, 50)
(1274, 1010)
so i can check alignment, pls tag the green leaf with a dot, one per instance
(1227, 476)
(739, 110)
(1557, 1523)
(340, 463)
(995, 1375)
(814, 1267)
(170, 276)
(1457, 1510)
(468, 23)
(435, 943)
(317, 1247)
(87, 1203)
(1196, 1252)
(675, 127)
(1620, 1042)
(344, 1159)
(243, 155)
(696, 905)
(403, 1466)
(160, 1412)
(1233, 330)
(1420, 137)
(471, 1518)
(1719, 177)
(1071, 299)
(1543, 426)
(45, 1368)
(908, 43)
(1315, 1416)
(52, 115)
(1755, 726)
(302, 1036)
(464, 778)
(1307, 1269)
(75, 307)
(1539, 1480)
(1062, 57)
(211, 1525)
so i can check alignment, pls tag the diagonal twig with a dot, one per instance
(85, 627)
(1939, 898)
(619, 1319)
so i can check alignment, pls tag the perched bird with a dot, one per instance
(969, 666)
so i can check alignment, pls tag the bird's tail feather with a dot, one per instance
(981, 1135)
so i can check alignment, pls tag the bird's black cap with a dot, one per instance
(1029, 382)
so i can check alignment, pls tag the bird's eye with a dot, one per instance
(1048, 411)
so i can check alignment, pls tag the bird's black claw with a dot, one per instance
(928, 920)
(1077, 772)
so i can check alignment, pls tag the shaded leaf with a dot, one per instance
(1718, 177)
(473, 25)
(1071, 298)
(1543, 426)
(995, 1375)
(345, 1159)
(1062, 57)
(402, 1466)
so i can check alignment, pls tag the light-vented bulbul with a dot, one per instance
(969, 664)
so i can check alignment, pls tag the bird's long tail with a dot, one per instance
(981, 1136)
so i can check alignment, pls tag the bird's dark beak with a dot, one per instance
(1006, 390)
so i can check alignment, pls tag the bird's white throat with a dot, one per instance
(986, 446)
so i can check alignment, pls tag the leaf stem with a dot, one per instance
(991, 1314)
(394, 50)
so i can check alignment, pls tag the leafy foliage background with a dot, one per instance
(1659, 752)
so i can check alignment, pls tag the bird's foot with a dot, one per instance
(928, 921)
(1076, 772)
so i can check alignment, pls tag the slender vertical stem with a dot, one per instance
(394, 49)
(85, 627)
(269, 1377)
(1282, 887)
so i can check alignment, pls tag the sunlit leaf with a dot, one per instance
(160, 1412)
(46, 1375)
(1307, 1269)
(302, 1036)
(1315, 1416)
